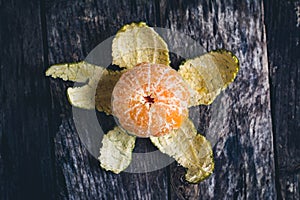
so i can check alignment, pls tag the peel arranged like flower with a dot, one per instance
(150, 99)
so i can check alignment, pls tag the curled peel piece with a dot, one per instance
(98, 89)
(97, 92)
(137, 43)
(189, 149)
(84, 97)
(116, 150)
(77, 72)
(209, 74)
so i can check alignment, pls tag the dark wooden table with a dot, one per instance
(257, 140)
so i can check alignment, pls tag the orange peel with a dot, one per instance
(150, 99)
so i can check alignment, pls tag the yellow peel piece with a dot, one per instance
(116, 150)
(105, 88)
(189, 149)
(137, 43)
(77, 72)
(209, 74)
(98, 90)
(84, 97)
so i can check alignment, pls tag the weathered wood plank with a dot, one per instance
(239, 121)
(283, 33)
(243, 143)
(29, 116)
(74, 29)
(26, 166)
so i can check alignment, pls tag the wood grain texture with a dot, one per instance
(283, 33)
(239, 121)
(82, 177)
(242, 130)
(41, 155)
(25, 111)
(73, 30)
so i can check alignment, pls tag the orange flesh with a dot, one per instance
(150, 100)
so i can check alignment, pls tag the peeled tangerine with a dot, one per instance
(150, 100)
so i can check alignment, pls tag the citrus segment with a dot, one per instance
(150, 100)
